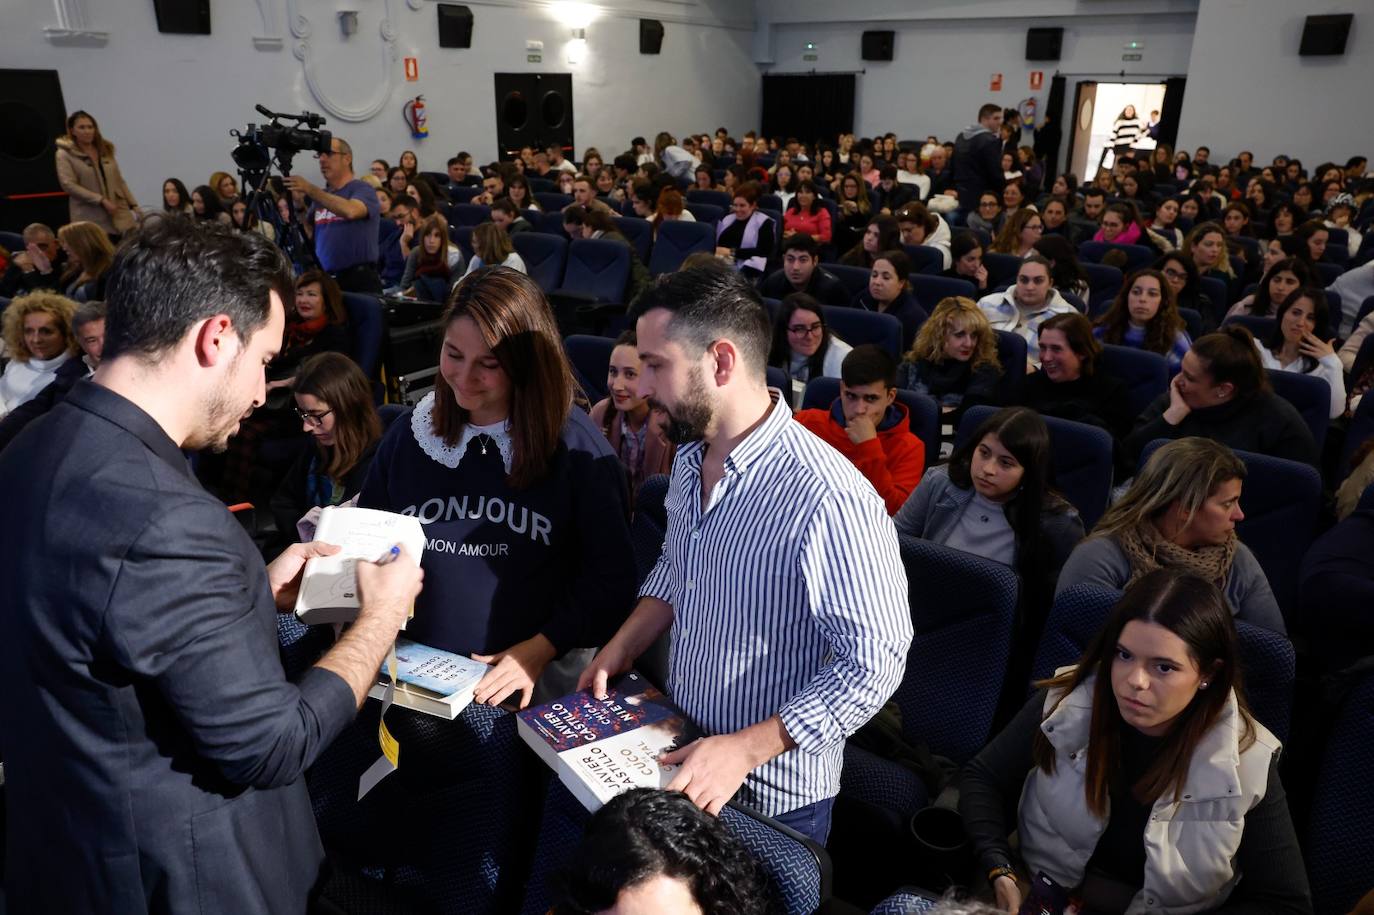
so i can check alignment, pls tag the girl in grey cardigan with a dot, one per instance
(1181, 512)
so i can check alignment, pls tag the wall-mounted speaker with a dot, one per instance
(650, 36)
(183, 17)
(1044, 44)
(877, 45)
(455, 25)
(1325, 35)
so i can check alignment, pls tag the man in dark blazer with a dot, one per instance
(153, 747)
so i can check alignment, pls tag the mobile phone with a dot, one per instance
(1045, 897)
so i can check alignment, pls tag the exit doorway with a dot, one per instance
(1098, 106)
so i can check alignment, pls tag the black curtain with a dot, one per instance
(808, 107)
(1050, 133)
(1171, 109)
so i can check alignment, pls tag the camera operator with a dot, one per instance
(345, 215)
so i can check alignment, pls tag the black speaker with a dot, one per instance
(878, 45)
(650, 36)
(455, 25)
(1044, 44)
(1325, 35)
(183, 17)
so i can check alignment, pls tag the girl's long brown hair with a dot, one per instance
(515, 320)
(340, 383)
(1195, 611)
(1163, 328)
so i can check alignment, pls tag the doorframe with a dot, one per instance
(1072, 82)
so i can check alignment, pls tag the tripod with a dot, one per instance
(289, 232)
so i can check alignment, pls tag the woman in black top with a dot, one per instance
(954, 358)
(1181, 274)
(966, 261)
(882, 234)
(746, 235)
(1071, 384)
(1116, 762)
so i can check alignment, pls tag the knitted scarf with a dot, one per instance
(1147, 551)
(300, 333)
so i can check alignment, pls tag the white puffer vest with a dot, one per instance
(1190, 846)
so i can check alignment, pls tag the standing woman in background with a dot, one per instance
(1126, 129)
(88, 172)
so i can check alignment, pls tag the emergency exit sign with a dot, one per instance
(1131, 56)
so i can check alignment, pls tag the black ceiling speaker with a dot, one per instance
(650, 36)
(1325, 35)
(878, 45)
(183, 17)
(1044, 44)
(455, 25)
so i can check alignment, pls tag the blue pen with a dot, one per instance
(390, 555)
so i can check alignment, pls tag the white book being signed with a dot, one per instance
(329, 586)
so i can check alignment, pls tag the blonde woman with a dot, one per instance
(88, 172)
(1180, 513)
(954, 358)
(38, 341)
(89, 255)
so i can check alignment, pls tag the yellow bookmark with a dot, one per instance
(391, 749)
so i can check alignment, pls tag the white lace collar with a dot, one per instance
(422, 426)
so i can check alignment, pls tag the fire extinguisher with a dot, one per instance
(414, 114)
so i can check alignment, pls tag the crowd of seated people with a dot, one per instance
(854, 203)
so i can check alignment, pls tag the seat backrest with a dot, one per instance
(1216, 289)
(856, 326)
(552, 201)
(597, 268)
(1269, 670)
(1340, 835)
(1075, 617)
(1011, 352)
(677, 239)
(1329, 272)
(591, 356)
(1146, 374)
(778, 378)
(797, 869)
(925, 258)
(1310, 395)
(1282, 502)
(1080, 454)
(929, 290)
(1001, 267)
(366, 327)
(962, 610)
(545, 257)
(468, 214)
(1137, 256)
(906, 901)
(923, 411)
(707, 213)
(714, 198)
(1192, 320)
(541, 185)
(12, 242)
(1260, 326)
(463, 194)
(855, 279)
(550, 222)
(639, 233)
(1104, 282)
(650, 524)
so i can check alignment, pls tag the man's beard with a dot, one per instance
(691, 419)
(221, 419)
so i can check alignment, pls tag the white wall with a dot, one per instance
(941, 68)
(168, 101)
(1249, 89)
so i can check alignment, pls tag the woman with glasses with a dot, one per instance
(334, 402)
(1181, 275)
(803, 346)
(1019, 233)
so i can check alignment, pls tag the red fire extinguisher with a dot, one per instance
(414, 114)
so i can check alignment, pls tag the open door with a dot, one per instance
(1080, 133)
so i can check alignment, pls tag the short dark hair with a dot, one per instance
(1094, 192)
(86, 313)
(505, 206)
(706, 305)
(868, 363)
(800, 241)
(456, 160)
(175, 271)
(989, 109)
(404, 200)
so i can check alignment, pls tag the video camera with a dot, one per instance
(253, 154)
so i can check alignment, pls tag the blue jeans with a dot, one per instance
(812, 821)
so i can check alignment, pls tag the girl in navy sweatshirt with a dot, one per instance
(522, 500)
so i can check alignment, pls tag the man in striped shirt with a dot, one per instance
(780, 575)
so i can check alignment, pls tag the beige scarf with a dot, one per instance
(1147, 551)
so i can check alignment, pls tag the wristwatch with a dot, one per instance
(1001, 870)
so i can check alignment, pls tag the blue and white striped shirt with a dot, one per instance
(789, 598)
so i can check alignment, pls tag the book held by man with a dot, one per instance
(329, 586)
(430, 680)
(603, 747)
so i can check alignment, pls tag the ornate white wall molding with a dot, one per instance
(271, 37)
(302, 32)
(74, 26)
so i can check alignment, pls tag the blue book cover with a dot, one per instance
(432, 669)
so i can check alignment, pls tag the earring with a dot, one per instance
(1202, 685)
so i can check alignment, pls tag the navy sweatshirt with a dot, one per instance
(502, 565)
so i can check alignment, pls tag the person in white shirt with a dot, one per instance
(1031, 301)
(1299, 344)
(909, 172)
(38, 340)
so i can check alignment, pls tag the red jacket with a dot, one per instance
(892, 462)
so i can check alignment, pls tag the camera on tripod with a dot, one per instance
(253, 155)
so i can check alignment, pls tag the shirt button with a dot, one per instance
(696, 535)
(691, 583)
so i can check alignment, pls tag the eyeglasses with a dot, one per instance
(805, 329)
(315, 420)
(1173, 274)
